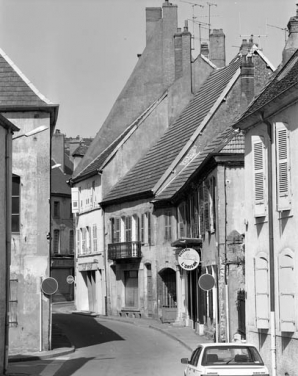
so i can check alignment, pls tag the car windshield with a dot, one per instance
(231, 355)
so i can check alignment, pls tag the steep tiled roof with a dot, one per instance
(149, 170)
(16, 89)
(80, 150)
(282, 81)
(228, 141)
(98, 162)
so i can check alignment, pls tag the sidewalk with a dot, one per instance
(62, 346)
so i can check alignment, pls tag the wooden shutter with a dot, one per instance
(117, 230)
(282, 167)
(212, 206)
(287, 282)
(206, 207)
(262, 292)
(259, 175)
(75, 200)
(149, 228)
(181, 216)
(201, 210)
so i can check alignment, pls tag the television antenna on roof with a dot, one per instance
(193, 18)
(210, 5)
(285, 29)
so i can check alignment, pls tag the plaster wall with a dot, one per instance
(159, 255)
(147, 134)
(87, 217)
(285, 238)
(30, 251)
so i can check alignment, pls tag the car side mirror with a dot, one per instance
(184, 360)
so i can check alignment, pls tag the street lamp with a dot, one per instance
(33, 132)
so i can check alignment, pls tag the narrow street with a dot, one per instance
(109, 348)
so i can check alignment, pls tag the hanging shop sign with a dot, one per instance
(188, 259)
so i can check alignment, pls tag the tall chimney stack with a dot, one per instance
(292, 41)
(217, 48)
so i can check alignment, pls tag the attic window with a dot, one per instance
(287, 69)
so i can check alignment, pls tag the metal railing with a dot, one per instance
(124, 250)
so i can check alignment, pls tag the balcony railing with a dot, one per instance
(125, 250)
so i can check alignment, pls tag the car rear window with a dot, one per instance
(231, 355)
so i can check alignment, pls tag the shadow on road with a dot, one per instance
(71, 366)
(82, 331)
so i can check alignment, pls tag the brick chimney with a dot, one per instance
(169, 25)
(58, 148)
(182, 44)
(205, 49)
(153, 15)
(217, 47)
(247, 79)
(292, 41)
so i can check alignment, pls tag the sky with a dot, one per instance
(80, 53)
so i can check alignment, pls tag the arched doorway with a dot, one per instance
(167, 294)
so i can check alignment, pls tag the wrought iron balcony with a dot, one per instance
(125, 250)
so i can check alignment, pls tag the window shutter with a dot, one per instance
(117, 231)
(283, 168)
(201, 210)
(149, 228)
(286, 293)
(75, 200)
(206, 208)
(212, 206)
(259, 175)
(262, 292)
(181, 216)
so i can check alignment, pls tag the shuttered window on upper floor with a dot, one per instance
(259, 176)
(262, 290)
(75, 199)
(282, 167)
(287, 281)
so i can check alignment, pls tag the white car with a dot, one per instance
(225, 359)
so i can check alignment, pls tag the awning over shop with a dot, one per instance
(187, 242)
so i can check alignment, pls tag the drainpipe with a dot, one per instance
(271, 251)
(226, 266)
(8, 239)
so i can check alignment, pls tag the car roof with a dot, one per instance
(222, 344)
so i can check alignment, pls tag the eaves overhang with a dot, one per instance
(207, 165)
(77, 179)
(269, 109)
(128, 198)
(52, 109)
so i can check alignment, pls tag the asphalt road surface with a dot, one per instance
(109, 348)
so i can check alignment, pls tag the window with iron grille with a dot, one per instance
(15, 204)
(56, 241)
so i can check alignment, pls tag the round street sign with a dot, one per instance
(70, 279)
(49, 286)
(188, 259)
(206, 282)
